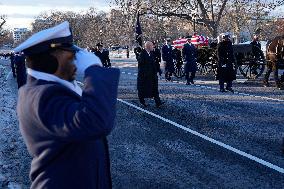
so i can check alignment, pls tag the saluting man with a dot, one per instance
(63, 126)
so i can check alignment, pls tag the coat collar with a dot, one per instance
(50, 77)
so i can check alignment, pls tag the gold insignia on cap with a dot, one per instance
(54, 45)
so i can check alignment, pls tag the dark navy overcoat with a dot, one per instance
(66, 133)
(167, 56)
(226, 62)
(189, 53)
(147, 79)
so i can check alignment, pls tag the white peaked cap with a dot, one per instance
(47, 39)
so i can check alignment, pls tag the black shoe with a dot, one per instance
(222, 90)
(192, 82)
(188, 83)
(144, 104)
(230, 89)
(169, 79)
(265, 84)
(159, 104)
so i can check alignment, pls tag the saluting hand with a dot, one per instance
(85, 59)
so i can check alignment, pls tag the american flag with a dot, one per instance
(197, 40)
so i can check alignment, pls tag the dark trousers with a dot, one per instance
(168, 75)
(191, 77)
(270, 69)
(222, 82)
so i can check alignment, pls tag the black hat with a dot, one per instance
(188, 37)
(99, 44)
(168, 39)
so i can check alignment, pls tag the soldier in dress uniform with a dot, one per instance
(63, 126)
(225, 71)
(127, 51)
(103, 54)
(12, 62)
(167, 55)
(177, 57)
(20, 69)
(189, 53)
(137, 51)
(256, 49)
(157, 57)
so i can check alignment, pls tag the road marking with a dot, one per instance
(7, 77)
(221, 144)
(214, 88)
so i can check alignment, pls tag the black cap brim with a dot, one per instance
(72, 48)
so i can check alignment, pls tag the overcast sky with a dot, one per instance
(21, 13)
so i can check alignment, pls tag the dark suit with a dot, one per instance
(66, 133)
(147, 79)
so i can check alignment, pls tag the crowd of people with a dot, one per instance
(188, 55)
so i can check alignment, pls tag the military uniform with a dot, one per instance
(225, 71)
(104, 57)
(20, 69)
(189, 53)
(65, 128)
(167, 55)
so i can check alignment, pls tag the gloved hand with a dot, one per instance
(83, 60)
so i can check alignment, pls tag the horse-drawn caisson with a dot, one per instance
(249, 58)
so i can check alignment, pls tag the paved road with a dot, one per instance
(147, 152)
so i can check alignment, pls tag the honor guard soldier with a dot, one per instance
(65, 127)
(167, 55)
(20, 69)
(103, 54)
(226, 71)
(189, 53)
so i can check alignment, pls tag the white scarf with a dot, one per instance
(50, 77)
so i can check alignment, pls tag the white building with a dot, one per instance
(18, 33)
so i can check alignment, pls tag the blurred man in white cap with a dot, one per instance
(63, 126)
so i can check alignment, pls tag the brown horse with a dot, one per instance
(275, 60)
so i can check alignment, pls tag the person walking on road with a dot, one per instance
(189, 53)
(226, 72)
(147, 79)
(63, 126)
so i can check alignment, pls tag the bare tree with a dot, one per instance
(207, 13)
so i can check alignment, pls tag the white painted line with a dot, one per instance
(223, 145)
(7, 77)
